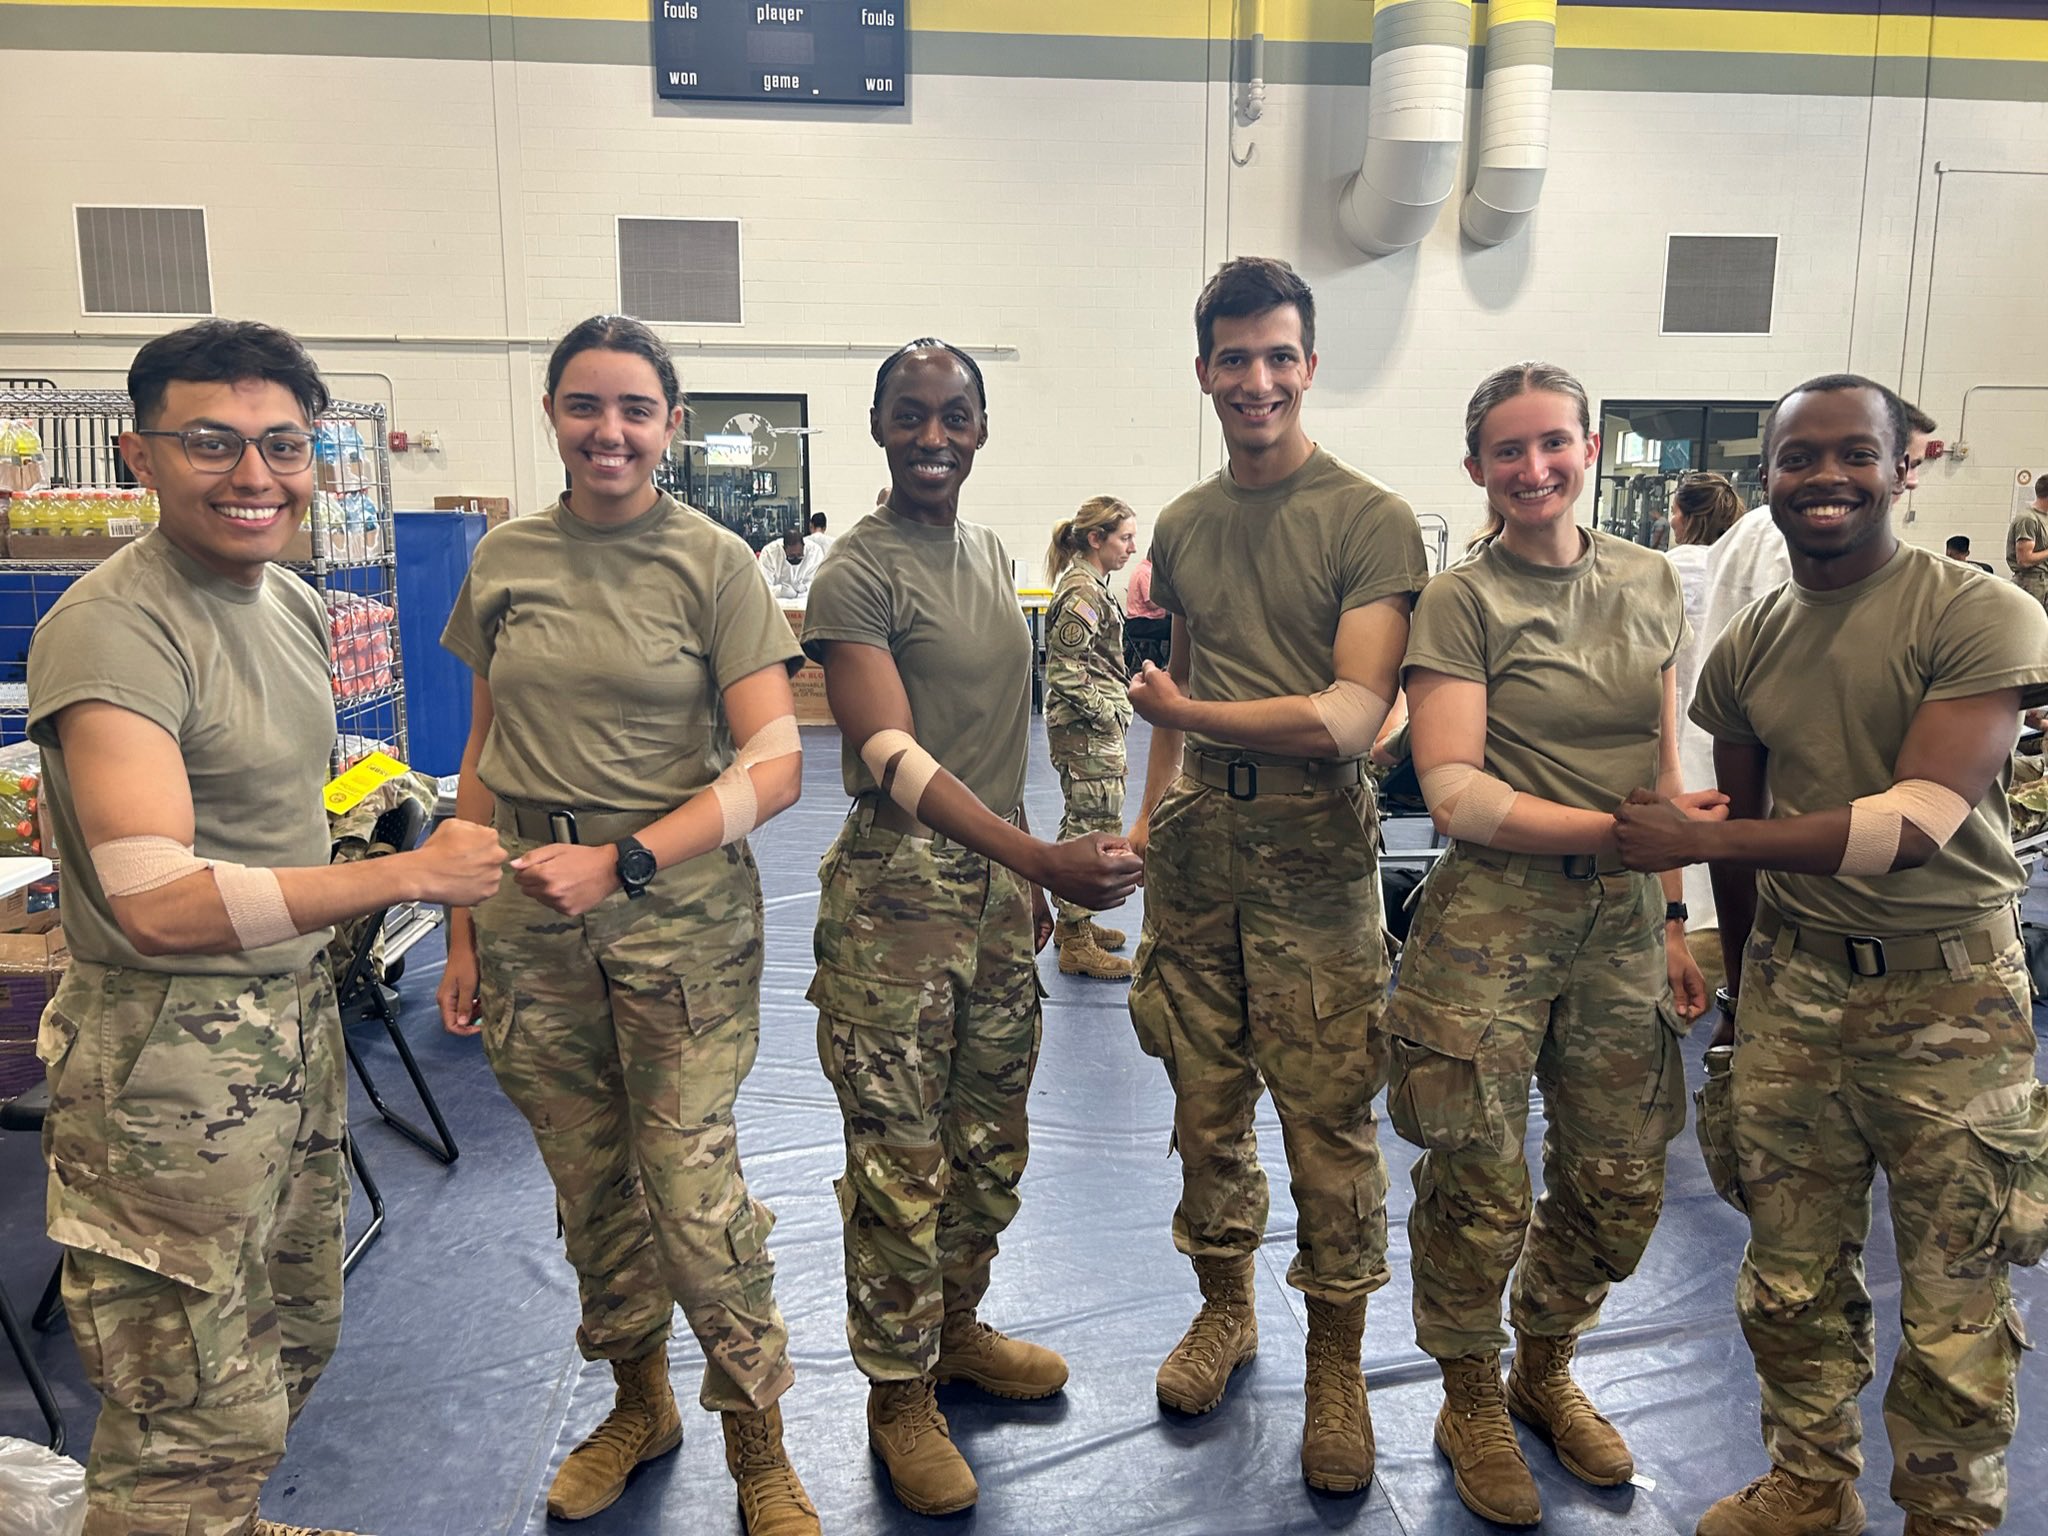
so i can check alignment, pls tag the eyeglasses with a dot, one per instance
(214, 451)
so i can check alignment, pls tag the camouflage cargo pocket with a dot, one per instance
(1715, 1126)
(1994, 1207)
(1437, 1096)
(1152, 1015)
(1664, 1106)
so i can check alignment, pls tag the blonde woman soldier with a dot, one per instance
(1088, 705)
(1541, 686)
(631, 723)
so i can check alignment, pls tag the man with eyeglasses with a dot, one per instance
(198, 1179)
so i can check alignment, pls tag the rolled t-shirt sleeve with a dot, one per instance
(849, 601)
(105, 652)
(1991, 637)
(748, 631)
(1716, 700)
(466, 635)
(1448, 632)
(1382, 553)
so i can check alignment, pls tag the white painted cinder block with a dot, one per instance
(1073, 220)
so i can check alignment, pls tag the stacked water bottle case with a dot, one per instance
(68, 500)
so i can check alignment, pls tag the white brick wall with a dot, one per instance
(1073, 220)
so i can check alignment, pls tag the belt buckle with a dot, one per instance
(562, 826)
(1866, 955)
(1251, 779)
(1581, 866)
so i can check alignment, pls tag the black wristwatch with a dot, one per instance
(1674, 912)
(636, 866)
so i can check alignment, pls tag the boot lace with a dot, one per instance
(1572, 1406)
(1483, 1406)
(618, 1434)
(1203, 1342)
(1779, 1494)
(766, 1479)
(1336, 1393)
(911, 1406)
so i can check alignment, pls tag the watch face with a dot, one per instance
(637, 865)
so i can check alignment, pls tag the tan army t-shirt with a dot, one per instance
(1573, 660)
(2028, 523)
(238, 676)
(608, 652)
(1827, 682)
(1261, 577)
(941, 601)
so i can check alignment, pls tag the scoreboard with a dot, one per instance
(810, 52)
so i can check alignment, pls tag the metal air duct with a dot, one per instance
(1415, 128)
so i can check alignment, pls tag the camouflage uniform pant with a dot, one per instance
(1090, 763)
(623, 1036)
(928, 1030)
(1930, 1076)
(1512, 971)
(199, 1183)
(1263, 966)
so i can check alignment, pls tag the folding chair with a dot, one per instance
(25, 1112)
(364, 994)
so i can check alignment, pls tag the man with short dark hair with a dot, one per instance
(1867, 889)
(791, 566)
(1289, 576)
(1958, 548)
(819, 536)
(180, 694)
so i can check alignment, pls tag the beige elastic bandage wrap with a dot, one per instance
(1472, 802)
(1877, 822)
(917, 769)
(129, 866)
(734, 788)
(1352, 713)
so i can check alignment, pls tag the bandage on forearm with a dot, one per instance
(915, 767)
(130, 866)
(734, 788)
(1471, 802)
(1352, 713)
(1877, 822)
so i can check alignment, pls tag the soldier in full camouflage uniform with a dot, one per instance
(1883, 1017)
(623, 645)
(1087, 709)
(198, 1178)
(1541, 666)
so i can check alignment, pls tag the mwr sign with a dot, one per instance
(838, 52)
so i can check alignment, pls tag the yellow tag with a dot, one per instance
(347, 792)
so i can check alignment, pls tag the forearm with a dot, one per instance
(1799, 845)
(1536, 825)
(474, 802)
(188, 917)
(697, 826)
(1735, 913)
(951, 809)
(1162, 767)
(1290, 725)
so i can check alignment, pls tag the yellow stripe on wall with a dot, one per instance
(1634, 29)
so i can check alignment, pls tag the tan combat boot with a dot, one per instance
(1782, 1503)
(1542, 1394)
(1080, 955)
(971, 1351)
(1927, 1525)
(1336, 1433)
(272, 1528)
(642, 1425)
(1474, 1431)
(1223, 1336)
(1107, 938)
(772, 1501)
(908, 1432)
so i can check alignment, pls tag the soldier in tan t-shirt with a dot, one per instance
(1289, 576)
(1541, 686)
(2026, 545)
(1863, 719)
(624, 646)
(198, 1098)
(930, 921)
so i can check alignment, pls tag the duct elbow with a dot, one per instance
(1393, 202)
(1501, 202)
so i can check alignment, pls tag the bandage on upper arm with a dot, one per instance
(734, 789)
(1470, 802)
(915, 767)
(1877, 823)
(132, 866)
(1352, 713)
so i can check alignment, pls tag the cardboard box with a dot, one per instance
(73, 546)
(494, 508)
(808, 685)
